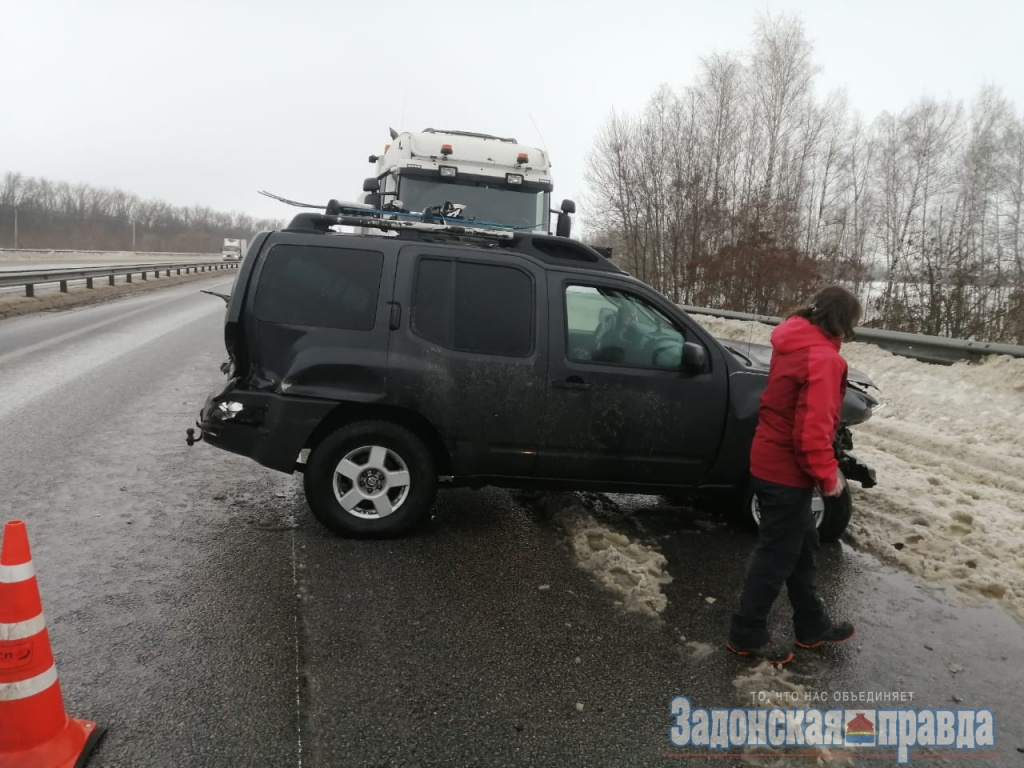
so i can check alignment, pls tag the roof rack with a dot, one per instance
(563, 251)
(429, 216)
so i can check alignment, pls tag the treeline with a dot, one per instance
(744, 191)
(38, 213)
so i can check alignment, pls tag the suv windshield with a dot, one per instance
(523, 209)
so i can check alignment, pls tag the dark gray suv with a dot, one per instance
(380, 365)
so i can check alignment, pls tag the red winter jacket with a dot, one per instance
(800, 408)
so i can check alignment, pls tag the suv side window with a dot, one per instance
(471, 307)
(320, 287)
(612, 327)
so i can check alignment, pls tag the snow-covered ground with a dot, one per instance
(949, 452)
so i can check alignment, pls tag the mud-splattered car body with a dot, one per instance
(535, 363)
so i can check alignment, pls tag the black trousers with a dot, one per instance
(786, 554)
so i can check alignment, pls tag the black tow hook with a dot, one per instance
(190, 436)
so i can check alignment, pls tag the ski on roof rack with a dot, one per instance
(469, 133)
(431, 218)
(322, 222)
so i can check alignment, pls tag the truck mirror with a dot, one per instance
(371, 185)
(695, 359)
(373, 200)
(563, 227)
(568, 206)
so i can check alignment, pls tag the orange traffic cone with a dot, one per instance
(35, 731)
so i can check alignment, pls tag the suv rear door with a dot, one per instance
(620, 408)
(468, 356)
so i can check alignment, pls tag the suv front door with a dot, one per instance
(620, 407)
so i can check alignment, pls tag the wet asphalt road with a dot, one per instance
(199, 612)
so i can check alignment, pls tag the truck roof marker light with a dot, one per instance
(446, 149)
(523, 158)
(387, 147)
(448, 171)
(513, 178)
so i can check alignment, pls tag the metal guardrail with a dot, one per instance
(31, 278)
(58, 251)
(928, 349)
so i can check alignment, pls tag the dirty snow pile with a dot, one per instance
(635, 572)
(948, 447)
(769, 686)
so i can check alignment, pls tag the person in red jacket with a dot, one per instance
(791, 455)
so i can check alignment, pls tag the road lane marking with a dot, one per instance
(41, 375)
(14, 354)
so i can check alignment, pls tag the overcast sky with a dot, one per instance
(206, 102)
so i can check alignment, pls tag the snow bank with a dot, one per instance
(949, 451)
(633, 571)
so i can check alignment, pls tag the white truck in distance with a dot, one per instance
(473, 176)
(232, 249)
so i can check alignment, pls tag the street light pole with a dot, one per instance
(15, 227)
(133, 234)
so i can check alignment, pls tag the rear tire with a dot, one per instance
(370, 479)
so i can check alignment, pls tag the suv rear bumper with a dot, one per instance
(268, 428)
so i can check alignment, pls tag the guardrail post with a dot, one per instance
(88, 282)
(168, 273)
(144, 275)
(63, 286)
(30, 290)
(128, 277)
(111, 278)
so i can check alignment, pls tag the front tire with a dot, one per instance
(831, 514)
(371, 479)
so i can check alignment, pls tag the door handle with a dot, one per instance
(395, 321)
(573, 382)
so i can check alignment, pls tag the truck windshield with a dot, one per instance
(525, 209)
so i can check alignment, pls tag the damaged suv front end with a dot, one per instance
(859, 405)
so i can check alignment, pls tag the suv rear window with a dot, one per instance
(472, 307)
(320, 287)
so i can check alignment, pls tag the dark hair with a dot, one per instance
(835, 310)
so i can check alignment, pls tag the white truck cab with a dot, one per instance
(472, 176)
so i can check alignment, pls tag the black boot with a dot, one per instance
(767, 652)
(837, 633)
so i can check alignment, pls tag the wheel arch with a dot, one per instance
(348, 413)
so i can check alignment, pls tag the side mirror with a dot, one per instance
(563, 227)
(695, 358)
(371, 185)
(372, 199)
(568, 206)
